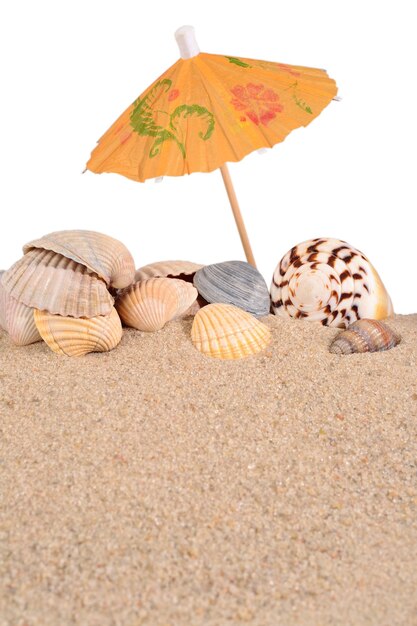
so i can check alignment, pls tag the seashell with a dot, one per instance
(168, 269)
(365, 336)
(101, 254)
(330, 281)
(48, 281)
(149, 304)
(224, 331)
(3, 301)
(17, 319)
(234, 282)
(78, 336)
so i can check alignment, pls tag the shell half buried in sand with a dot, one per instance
(365, 336)
(168, 269)
(329, 281)
(149, 304)
(223, 331)
(17, 319)
(101, 254)
(77, 336)
(48, 281)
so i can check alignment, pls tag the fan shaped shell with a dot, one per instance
(77, 336)
(234, 282)
(17, 319)
(45, 280)
(101, 254)
(224, 331)
(330, 281)
(167, 269)
(365, 336)
(149, 304)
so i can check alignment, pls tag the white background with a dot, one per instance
(70, 68)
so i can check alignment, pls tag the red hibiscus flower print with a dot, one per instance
(260, 103)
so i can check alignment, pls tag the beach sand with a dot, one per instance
(152, 485)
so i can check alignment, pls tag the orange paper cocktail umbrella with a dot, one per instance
(208, 109)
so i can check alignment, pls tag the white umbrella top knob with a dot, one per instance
(187, 42)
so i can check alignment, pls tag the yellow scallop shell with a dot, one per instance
(78, 336)
(223, 331)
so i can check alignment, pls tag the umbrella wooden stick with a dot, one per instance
(188, 46)
(237, 214)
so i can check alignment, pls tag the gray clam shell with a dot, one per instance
(234, 282)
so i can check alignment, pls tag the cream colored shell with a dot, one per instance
(101, 254)
(329, 281)
(167, 269)
(77, 336)
(149, 304)
(224, 331)
(17, 319)
(49, 281)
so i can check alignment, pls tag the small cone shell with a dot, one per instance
(77, 336)
(49, 281)
(165, 269)
(149, 304)
(101, 254)
(365, 336)
(329, 281)
(223, 331)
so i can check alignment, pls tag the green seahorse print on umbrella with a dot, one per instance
(143, 118)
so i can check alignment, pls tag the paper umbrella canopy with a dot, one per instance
(208, 109)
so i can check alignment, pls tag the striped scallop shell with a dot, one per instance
(101, 254)
(330, 281)
(149, 304)
(234, 282)
(77, 336)
(224, 331)
(17, 319)
(365, 336)
(45, 280)
(168, 269)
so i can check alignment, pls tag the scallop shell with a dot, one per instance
(78, 336)
(224, 331)
(49, 281)
(167, 269)
(101, 254)
(17, 319)
(149, 304)
(365, 336)
(330, 281)
(234, 282)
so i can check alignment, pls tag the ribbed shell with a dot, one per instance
(330, 281)
(365, 336)
(223, 331)
(173, 269)
(234, 282)
(101, 254)
(49, 281)
(77, 336)
(149, 304)
(17, 319)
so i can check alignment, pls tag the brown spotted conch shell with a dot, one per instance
(17, 319)
(77, 336)
(149, 304)
(365, 336)
(168, 269)
(48, 281)
(223, 331)
(329, 281)
(101, 254)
